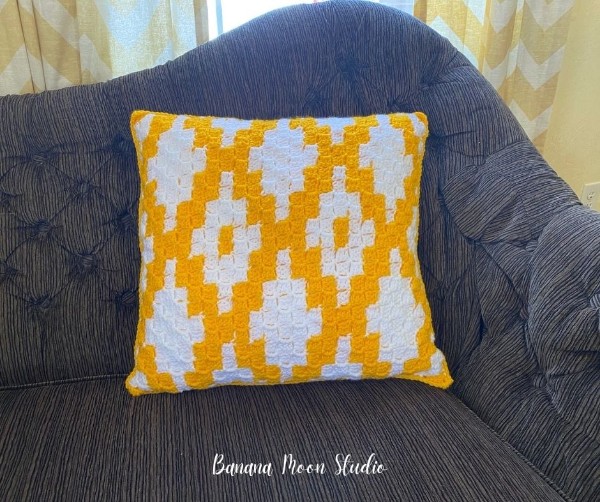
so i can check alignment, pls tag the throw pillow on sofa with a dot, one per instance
(280, 251)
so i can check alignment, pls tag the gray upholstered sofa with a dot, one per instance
(510, 258)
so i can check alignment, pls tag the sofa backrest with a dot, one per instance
(69, 257)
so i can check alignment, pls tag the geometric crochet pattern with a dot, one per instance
(280, 251)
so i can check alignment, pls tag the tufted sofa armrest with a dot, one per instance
(564, 321)
(563, 336)
(533, 373)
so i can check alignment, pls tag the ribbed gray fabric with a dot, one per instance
(510, 260)
(162, 447)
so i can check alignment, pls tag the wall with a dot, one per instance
(573, 140)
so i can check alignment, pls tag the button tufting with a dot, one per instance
(125, 222)
(531, 246)
(524, 313)
(84, 264)
(394, 104)
(538, 381)
(348, 65)
(38, 158)
(121, 145)
(126, 299)
(41, 305)
(6, 200)
(314, 99)
(41, 229)
(7, 272)
(82, 188)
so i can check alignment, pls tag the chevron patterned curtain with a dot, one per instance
(49, 44)
(517, 44)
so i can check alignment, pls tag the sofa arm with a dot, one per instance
(564, 315)
(529, 296)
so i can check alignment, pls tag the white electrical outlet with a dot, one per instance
(591, 195)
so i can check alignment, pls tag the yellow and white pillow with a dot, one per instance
(280, 251)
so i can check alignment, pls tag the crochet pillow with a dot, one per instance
(280, 251)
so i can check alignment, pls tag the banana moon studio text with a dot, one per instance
(343, 465)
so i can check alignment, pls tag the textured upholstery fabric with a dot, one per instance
(163, 447)
(511, 264)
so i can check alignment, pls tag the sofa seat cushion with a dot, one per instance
(90, 440)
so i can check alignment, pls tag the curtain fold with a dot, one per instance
(49, 44)
(518, 45)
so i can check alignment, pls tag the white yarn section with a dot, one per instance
(396, 317)
(225, 270)
(284, 321)
(343, 368)
(231, 373)
(282, 158)
(345, 262)
(385, 153)
(171, 331)
(173, 168)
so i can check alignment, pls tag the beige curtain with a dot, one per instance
(518, 45)
(49, 44)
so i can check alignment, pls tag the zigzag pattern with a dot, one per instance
(518, 45)
(50, 44)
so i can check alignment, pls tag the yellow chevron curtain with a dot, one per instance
(49, 44)
(518, 45)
